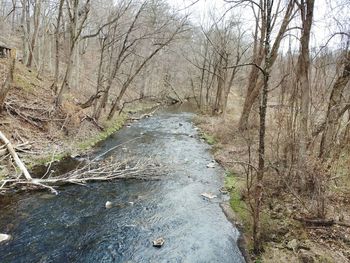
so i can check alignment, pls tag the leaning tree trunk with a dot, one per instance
(14, 155)
(258, 56)
(9, 80)
(67, 77)
(335, 110)
(255, 82)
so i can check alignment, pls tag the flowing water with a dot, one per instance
(75, 226)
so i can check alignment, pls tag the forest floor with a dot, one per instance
(285, 239)
(47, 133)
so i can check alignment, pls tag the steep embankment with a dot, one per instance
(42, 131)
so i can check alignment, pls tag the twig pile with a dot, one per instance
(35, 114)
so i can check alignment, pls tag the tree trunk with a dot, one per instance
(25, 28)
(9, 80)
(54, 85)
(13, 153)
(303, 66)
(37, 11)
(334, 109)
(255, 83)
(258, 195)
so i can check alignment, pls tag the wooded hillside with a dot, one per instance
(272, 94)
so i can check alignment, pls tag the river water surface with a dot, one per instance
(75, 226)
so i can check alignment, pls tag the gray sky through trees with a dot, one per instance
(325, 24)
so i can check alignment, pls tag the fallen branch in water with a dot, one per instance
(91, 171)
(146, 115)
(13, 153)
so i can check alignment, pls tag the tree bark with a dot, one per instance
(303, 65)
(36, 18)
(334, 109)
(256, 82)
(54, 85)
(9, 80)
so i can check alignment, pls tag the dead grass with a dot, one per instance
(328, 244)
(51, 132)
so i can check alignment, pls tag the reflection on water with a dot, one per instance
(75, 226)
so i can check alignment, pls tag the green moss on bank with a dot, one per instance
(235, 185)
(110, 128)
(81, 146)
(210, 139)
(26, 79)
(47, 159)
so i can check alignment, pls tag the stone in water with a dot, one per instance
(108, 205)
(4, 237)
(159, 242)
(208, 195)
(211, 165)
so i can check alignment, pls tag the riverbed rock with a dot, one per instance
(223, 190)
(211, 165)
(4, 238)
(108, 205)
(208, 195)
(159, 242)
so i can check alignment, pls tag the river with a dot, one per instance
(75, 226)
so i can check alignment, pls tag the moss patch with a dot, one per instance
(45, 160)
(235, 185)
(210, 139)
(25, 79)
(110, 128)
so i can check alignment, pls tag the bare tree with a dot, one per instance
(54, 85)
(7, 85)
(255, 81)
(77, 13)
(306, 11)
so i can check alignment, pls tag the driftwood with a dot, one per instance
(13, 153)
(90, 171)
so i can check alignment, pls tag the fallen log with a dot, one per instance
(92, 171)
(315, 221)
(13, 153)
